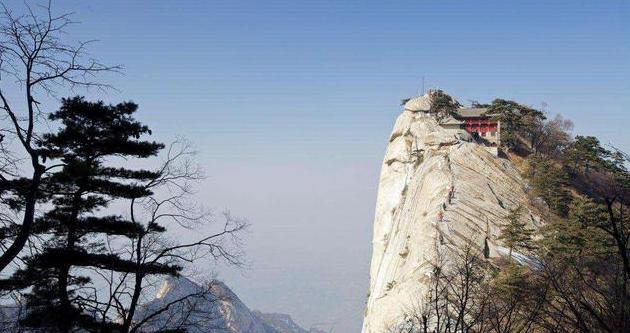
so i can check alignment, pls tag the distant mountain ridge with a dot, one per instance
(213, 310)
(181, 304)
(283, 323)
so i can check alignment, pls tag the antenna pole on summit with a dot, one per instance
(421, 94)
(423, 85)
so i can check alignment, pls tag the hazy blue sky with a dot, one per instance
(290, 104)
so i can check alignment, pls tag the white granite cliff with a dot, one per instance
(424, 163)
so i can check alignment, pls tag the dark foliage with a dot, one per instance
(443, 104)
(92, 134)
(519, 122)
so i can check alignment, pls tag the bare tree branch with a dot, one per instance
(34, 52)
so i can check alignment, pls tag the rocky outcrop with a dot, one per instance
(436, 190)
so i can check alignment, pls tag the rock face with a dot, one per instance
(436, 190)
(219, 311)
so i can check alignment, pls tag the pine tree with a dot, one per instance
(515, 234)
(443, 104)
(92, 134)
(518, 122)
(550, 182)
(578, 234)
(586, 153)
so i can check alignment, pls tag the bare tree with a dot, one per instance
(36, 59)
(587, 265)
(514, 302)
(467, 293)
(171, 207)
(457, 297)
(552, 136)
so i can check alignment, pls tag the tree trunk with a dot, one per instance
(137, 289)
(29, 216)
(64, 271)
(619, 236)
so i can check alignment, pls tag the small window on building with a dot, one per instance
(493, 133)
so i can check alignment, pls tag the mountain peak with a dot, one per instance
(437, 193)
(214, 308)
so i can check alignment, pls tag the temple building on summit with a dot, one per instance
(478, 121)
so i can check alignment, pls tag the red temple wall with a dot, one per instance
(480, 125)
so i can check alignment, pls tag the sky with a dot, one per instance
(290, 104)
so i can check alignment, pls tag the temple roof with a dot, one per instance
(451, 121)
(471, 112)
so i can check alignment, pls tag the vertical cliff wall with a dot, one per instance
(436, 190)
